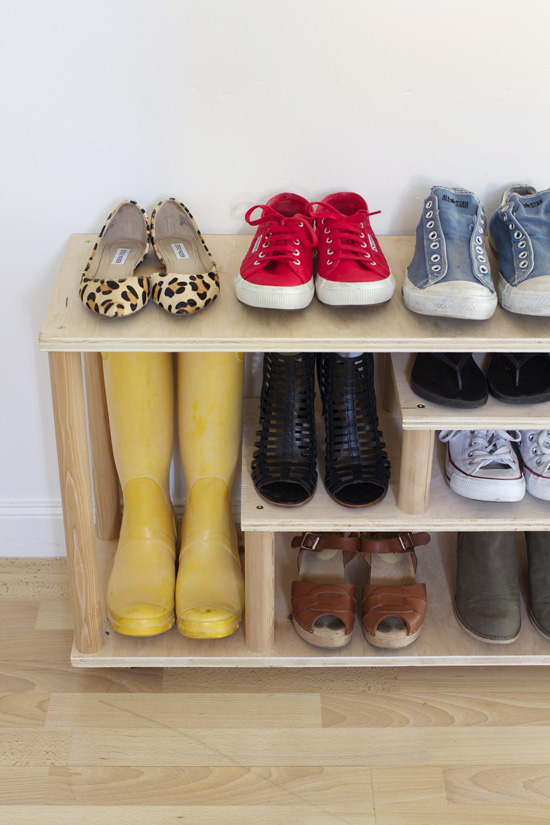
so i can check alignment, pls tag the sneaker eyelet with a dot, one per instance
(430, 224)
(295, 251)
(296, 262)
(429, 214)
(531, 437)
(326, 230)
(362, 225)
(538, 462)
(322, 221)
(435, 258)
(517, 235)
(265, 245)
(510, 226)
(470, 455)
(428, 204)
(432, 236)
(329, 263)
(330, 251)
(523, 264)
(269, 234)
(328, 240)
(363, 245)
(261, 255)
(483, 269)
(481, 258)
(523, 254)
(434, 246)
(297, 243)
(522, 244)
(479, 239)
(300, 223)
(436, 268)
(479, 250)
(373, 263)
(361, 235)
(367, 254)
(257, 263)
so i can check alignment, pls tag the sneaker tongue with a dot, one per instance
(457, 212)
(533, 207)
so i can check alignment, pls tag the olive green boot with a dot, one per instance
(538, 551)
(487, 602)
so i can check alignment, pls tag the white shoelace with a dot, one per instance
(488, 447)
(542, 448)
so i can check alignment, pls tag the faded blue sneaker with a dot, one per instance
(519, 233)
(449, 274)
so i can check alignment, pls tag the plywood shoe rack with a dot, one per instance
(418, 497)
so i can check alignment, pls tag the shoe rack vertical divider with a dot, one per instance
(418, 498)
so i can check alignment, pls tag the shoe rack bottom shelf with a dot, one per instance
(442, 641)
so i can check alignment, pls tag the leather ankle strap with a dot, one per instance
(403, 543)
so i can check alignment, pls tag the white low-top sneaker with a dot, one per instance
(483, 465)
(534, 446)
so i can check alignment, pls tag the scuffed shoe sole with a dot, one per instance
(274, 297)
(368, 293)
(473, 302)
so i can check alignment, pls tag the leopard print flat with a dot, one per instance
(108, 284)
(191, 281)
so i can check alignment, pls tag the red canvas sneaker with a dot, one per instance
(277, 272)
(351, 267)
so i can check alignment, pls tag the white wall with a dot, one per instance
(222, 103)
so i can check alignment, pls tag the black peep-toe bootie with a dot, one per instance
(357, 469)
(284, 466)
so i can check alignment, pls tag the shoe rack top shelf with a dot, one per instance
(227, 325)
(447, 511)
(418, 414)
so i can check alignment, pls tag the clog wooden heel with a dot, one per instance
(393, 606)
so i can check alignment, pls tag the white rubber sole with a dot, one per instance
(338, 293)
(455, 299)
(523, 299)
(484, 489)
(537, 486)
(274, 297)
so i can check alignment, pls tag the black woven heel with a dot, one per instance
(284, 467)
(357, 465)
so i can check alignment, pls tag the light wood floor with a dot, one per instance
(418, 746)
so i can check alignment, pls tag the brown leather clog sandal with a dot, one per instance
(393, 606)
(323, 604)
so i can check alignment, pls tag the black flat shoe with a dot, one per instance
(451, 379)
(520, 378)
(284, 466)
(357, 469)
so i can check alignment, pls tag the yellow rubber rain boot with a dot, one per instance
(140, 400)
(209, 587)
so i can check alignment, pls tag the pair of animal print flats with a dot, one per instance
(110, 285)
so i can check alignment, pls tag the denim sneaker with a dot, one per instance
(519, 233)
(449, 274)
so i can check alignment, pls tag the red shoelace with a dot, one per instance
(282, 235)
(347, 232)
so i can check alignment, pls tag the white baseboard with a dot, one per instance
(31, 529)
(34, 529)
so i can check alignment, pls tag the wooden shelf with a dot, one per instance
(442, 641)
(447, 510)
(228, 325)
(418, 414)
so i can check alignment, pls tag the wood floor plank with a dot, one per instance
(19, 614)
(488, 746)
(34, 748)
(23, 710)
(35, 645)
(252, 747)
(22, 785)
(408, 785)
(34, 578)
(529, 784)
(178, 815)
(212, 710)
(280, 680)
(429, 708)
(326, 789)
(504, 814)
(54, 614)
(55, 677)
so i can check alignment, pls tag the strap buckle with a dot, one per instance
(309, 541)
(406, 542)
